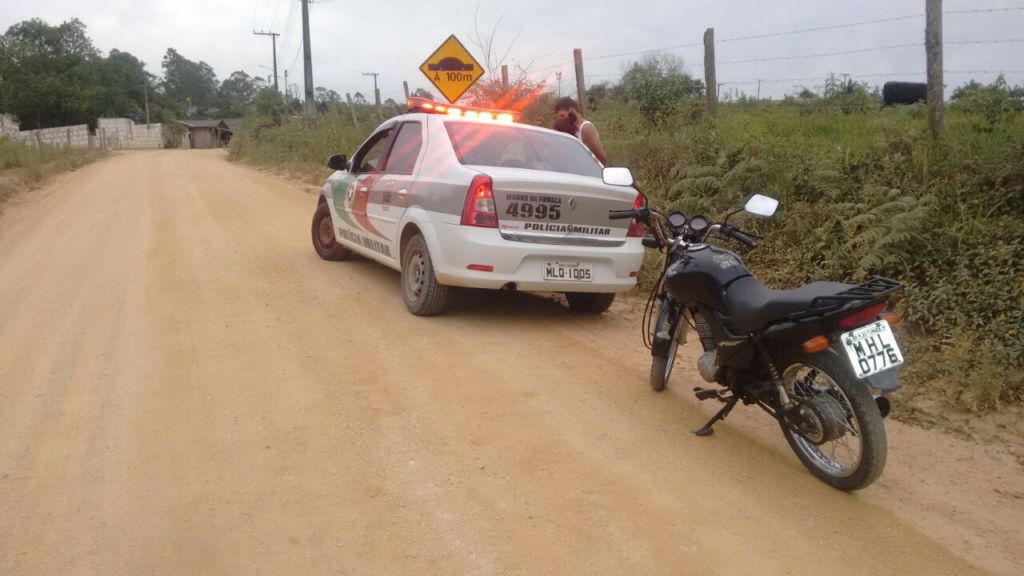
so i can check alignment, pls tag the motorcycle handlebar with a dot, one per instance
(737, 234)
(622, 214)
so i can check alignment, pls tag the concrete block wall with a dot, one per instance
(115, 133)
(8, 127)
(121, 133)
(61, 136)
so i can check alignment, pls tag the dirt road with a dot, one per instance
(185, 388)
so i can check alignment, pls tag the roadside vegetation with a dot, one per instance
(864, 190)
(23, 167)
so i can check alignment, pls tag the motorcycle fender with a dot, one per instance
(885, 381)
(662, 342)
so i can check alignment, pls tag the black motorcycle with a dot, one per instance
(820, 358)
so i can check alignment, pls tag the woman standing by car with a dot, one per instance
(568, 109)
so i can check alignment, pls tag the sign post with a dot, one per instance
(452, 69)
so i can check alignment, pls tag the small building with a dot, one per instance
(209, 133)
(201, 133)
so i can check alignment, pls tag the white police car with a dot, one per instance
(452, 196)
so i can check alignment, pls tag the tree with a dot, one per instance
(193, 85)
(49, 73)
(659, 86)
(358, 98)
(236, 94)
(325, 98)
(270, 103)
(422, 93)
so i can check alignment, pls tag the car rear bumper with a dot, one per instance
(522, 263)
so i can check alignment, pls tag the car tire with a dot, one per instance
(324, 241)
(422, 293)
(589, 302)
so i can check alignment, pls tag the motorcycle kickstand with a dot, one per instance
(707, 429)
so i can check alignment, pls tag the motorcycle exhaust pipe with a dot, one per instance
(884, 406)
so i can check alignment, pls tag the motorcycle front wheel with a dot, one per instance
(661, 365)
(841, 437)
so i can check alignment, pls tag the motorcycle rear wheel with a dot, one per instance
(829, 389)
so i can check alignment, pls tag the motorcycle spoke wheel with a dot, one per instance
(840, 457)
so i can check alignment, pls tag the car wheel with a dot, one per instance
(422, 293)
(324, 241)
(588, 302)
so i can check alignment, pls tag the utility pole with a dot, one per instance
(758, 88)
(273, 38)
(287, 93)
(504, 78)
(559, 76)
(577, 57)
(405, 86)
(145, 95)
(376, 92)
(933, 49)
(307, 58)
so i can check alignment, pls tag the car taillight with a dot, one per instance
(862, 317)
(636, 229)
(479, 209)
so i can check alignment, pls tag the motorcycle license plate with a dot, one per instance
(872, 349)
(568, 271)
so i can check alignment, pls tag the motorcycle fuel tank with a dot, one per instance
(702, 275)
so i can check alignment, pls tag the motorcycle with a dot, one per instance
(821, 359)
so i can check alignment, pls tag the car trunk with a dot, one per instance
(557, 208)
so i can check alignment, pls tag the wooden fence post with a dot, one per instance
(933, 49)
(581, 93)
(351, 108)
(711, 86)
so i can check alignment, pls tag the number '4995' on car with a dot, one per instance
(457, 197)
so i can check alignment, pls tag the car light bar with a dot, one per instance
(431, 107)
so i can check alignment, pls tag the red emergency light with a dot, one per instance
(431, 107)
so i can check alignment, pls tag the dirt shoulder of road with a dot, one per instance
(16, 181)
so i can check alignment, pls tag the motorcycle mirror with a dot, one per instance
(617, 176)
(761, 205)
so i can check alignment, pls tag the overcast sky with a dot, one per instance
(393, 37)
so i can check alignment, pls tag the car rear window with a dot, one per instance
(479, 144)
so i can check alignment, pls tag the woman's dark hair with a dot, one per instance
(567, 103)
(566, 125)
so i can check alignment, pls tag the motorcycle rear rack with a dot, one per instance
(871, 290)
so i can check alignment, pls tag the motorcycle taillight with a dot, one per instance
(862, 317)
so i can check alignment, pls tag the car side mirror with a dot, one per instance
(337, 162)
(617, 176)
(761, 205)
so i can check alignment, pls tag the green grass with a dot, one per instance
(23, 167)
(861, 194)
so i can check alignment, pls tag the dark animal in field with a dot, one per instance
(904, 93)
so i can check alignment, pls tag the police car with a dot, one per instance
(453, 196)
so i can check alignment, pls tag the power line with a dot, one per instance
(1005, 41)
(872, 75)
(805, 31)
(985, 10)
(823, 54)
(666, 48)
(820, 28)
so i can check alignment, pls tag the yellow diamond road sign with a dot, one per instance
(452, 69)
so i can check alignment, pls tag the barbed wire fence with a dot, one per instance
(733, 84)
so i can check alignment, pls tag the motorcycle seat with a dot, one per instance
(752, 305)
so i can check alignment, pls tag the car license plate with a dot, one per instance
(568, 271)
(872, 349)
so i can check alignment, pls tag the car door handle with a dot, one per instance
(403, 193)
